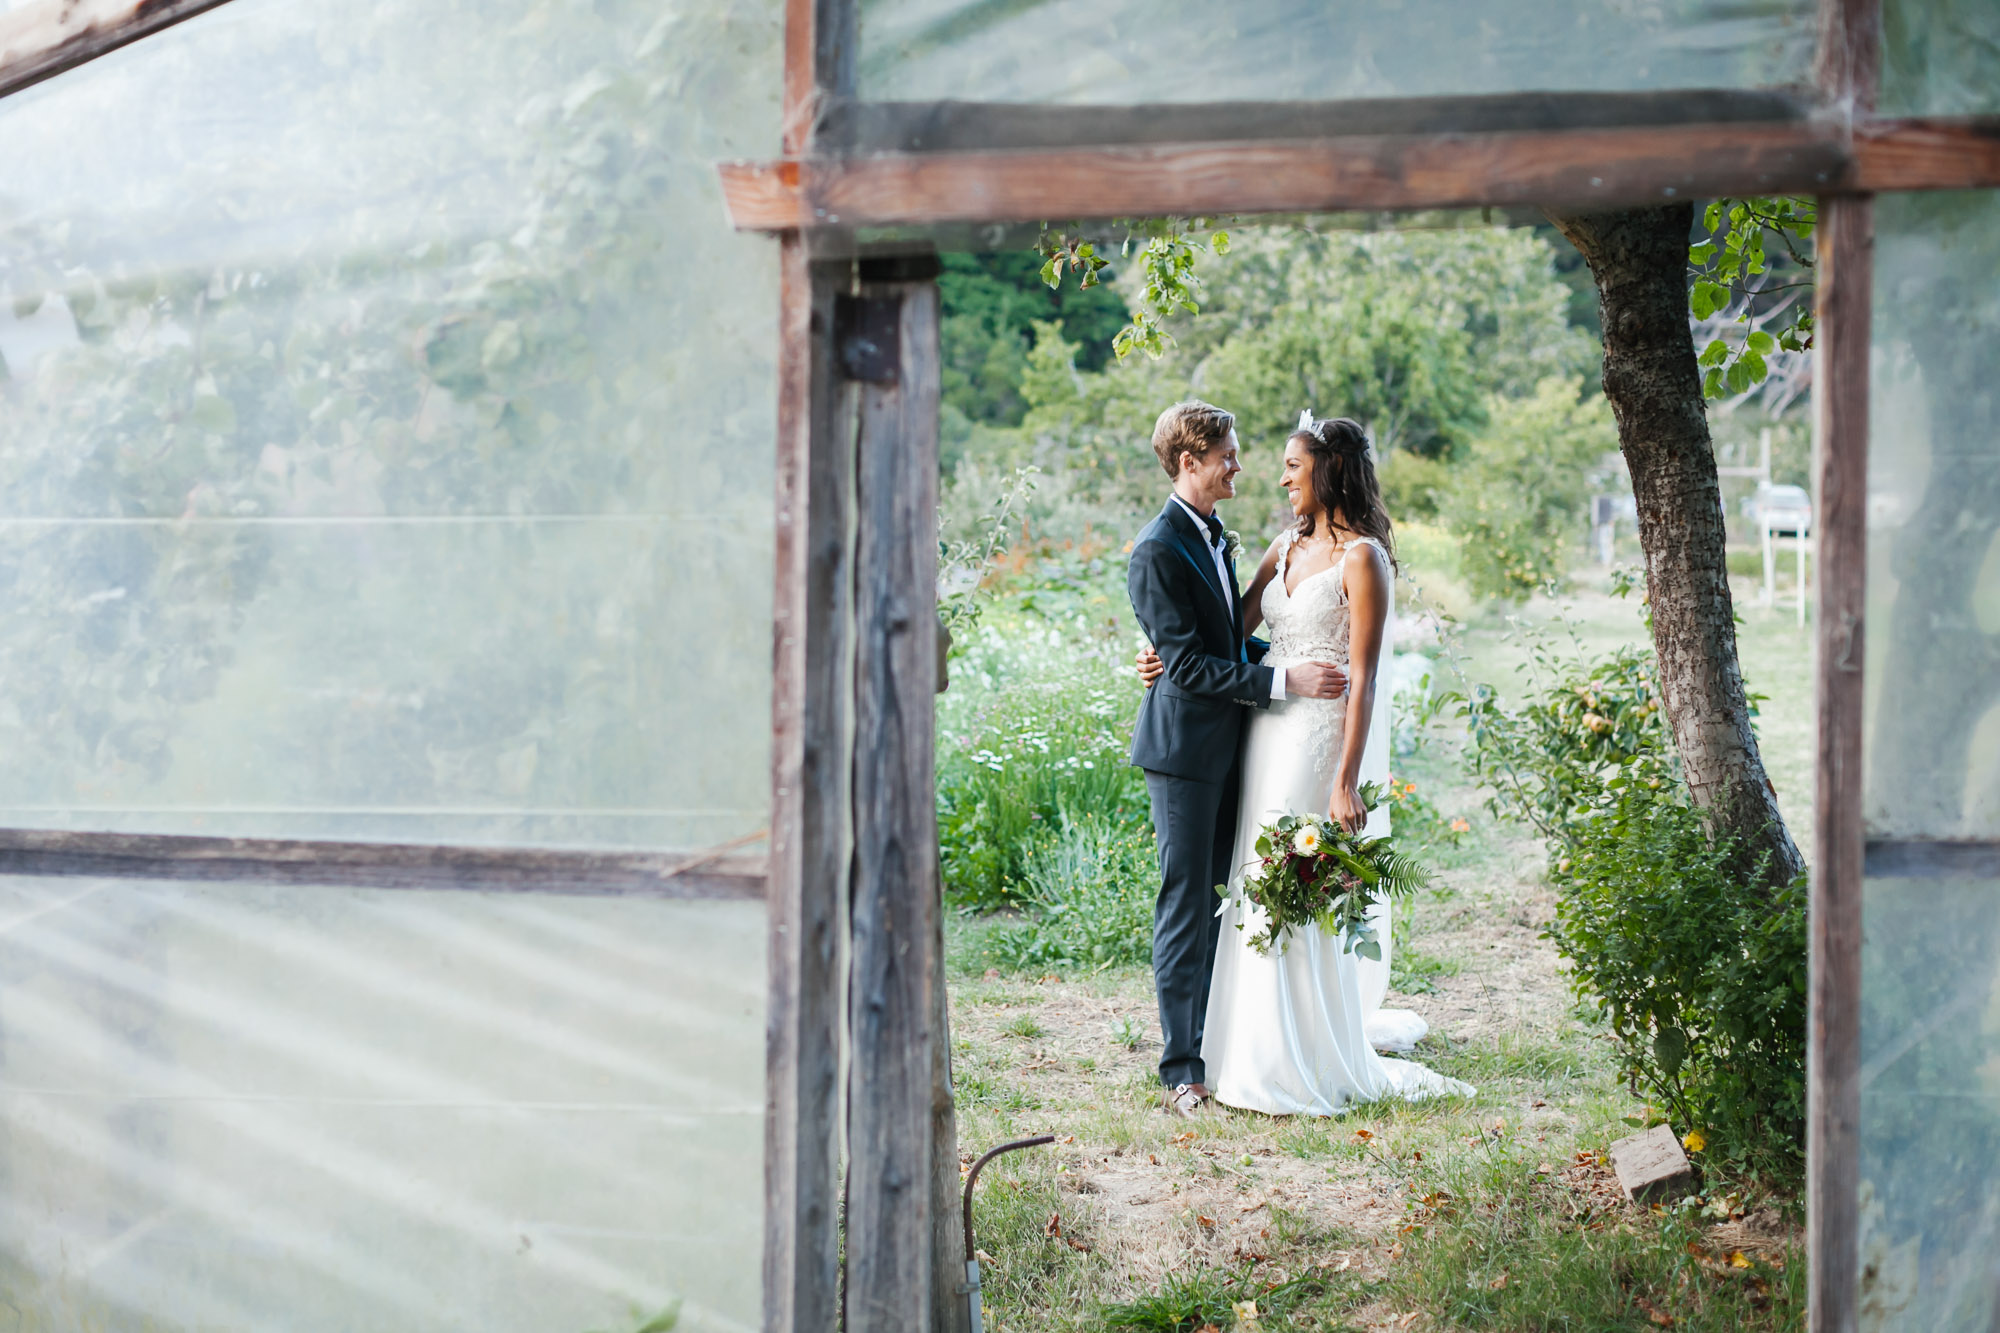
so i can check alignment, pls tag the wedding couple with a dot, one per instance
(1234, 733)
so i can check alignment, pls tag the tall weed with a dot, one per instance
(1090, 894)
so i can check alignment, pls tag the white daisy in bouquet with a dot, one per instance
(1312, 872)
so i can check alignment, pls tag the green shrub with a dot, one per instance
(1587, 725)
(1700, 972)
(1089, 899)
(1699, 967)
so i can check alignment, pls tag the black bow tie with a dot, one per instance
(1214, 526)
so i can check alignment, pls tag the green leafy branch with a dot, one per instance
(1732, 271)
(964, 564)
(1167, 250)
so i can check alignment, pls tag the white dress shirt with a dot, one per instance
(1225, 579)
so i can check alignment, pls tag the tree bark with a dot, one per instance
(1639, 259)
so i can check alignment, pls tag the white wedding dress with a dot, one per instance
(1288, 1033)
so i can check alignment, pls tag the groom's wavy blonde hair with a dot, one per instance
(1192, 427)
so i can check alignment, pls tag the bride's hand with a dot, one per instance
(1151, 668)
(1346, 808)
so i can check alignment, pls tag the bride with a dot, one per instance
(1286, 1033)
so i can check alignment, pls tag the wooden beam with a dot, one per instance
(372, 865)
(811, 804)
(1960, 153)
(1923, 858)
(1848, 65)
(1833, 1149)
(1556, 168)
(822, 42)
(1588, 168)
(888, 342)
(849, 127)
(41, 40)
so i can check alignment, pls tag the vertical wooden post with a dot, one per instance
(1840, 464)
(1848, 72)
(888, 342)
(811, 755)
(811, 808)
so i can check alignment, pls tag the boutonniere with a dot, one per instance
(1232, 545)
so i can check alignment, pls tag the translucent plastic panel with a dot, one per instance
(1930, 1106)
(1940, 57)
(1933, 729)
(237, 1109)
(386, 425)
(1136, 51)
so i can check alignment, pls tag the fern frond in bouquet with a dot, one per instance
(1311, 872)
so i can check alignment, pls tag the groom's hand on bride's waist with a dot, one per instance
(1308, 680)
(1315, 680)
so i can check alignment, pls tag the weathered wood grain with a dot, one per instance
(1585, 168)
(890, 1111)
(1847, 67)
(40, 40)
(811, 807)
(371, 865)
(1571, 170)
(1840, 399)
(1936, 153)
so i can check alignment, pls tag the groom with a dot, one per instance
(1182, 581)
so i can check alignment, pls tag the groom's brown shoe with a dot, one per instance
(1185, 1099)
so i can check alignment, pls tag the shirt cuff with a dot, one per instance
(1277, 684)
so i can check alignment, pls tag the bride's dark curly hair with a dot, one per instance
(1343, 481)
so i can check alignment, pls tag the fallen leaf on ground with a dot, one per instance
(1497, 1283)
(1656, 1314)
(1737, 1259)
(1054, 1227)
(1406, 1320)
(1205, 1221)
(1364, 1134)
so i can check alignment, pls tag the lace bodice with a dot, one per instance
(1311, 623)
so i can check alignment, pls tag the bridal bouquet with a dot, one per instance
(1311, 871)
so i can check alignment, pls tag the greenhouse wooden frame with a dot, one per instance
(850, 881)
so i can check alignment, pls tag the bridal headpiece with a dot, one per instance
(1309, 425)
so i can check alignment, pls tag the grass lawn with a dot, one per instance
(1498, 1212)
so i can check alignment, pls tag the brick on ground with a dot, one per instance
(1651, 1164)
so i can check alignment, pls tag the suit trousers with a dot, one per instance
(1194, 825)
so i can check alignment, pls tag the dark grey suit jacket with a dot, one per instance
(1191, 720)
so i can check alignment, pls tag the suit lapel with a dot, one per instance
(1197, 552)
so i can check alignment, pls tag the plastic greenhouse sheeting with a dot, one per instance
(386, 429)
(1940, 57)
(388, 422)
(247, 1108)
(1139, 51)
(1930, 1038)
